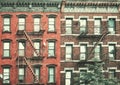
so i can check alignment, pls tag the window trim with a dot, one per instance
(54, 75)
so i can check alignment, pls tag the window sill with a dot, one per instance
(6, 84)
(52, 32)
(51, 57)
(6, 57)
(6, 32)
(51, 83)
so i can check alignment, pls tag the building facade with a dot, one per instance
(90, 30)
(29, 42)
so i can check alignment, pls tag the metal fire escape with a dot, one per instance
(25, 59)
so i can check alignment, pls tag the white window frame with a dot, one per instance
(111, 29)
(83, 25)
(37, 24)
(21, 48)
(37, 73)
(21, 74)
(51, 48)
(68, 25)
(51, 26)
(68, 51)
(6, 75)
(6, 24)
(37, 48)
(97, 52)
(111, 51)
(68, 77)
(83, 51)
(21, 23)
(6, 48)
(51, 74)
(97, 26)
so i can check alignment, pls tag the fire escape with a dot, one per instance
(91, 38)
(34, 60)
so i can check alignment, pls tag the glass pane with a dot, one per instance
(21, 45)
(21, 20)
(69, 49)
(7, 21)
(21, 71)
(51, 78)
(6, 53)
(36, 28)
(97, 22)
(35, 53)
(51, 28)
(21, 27)
(97, 48)
(67, 82)
(36, 45)
(6, 45)
(83, 48)
(21, 52)
(51, 53)
(51, 71)
(36, 20)
(83, 22)
(6, 28)
(68, 74)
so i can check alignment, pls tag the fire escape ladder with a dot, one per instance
(25, 59)
(92, 50)
(30, 41)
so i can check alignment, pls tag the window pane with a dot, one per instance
(21, 45)
(6, 53)
(83, 24)
(37, 24)
(68, 51)
(51, 74)
(7, 21)
(21, 23)
(6, 75)
(51, 24)
(6, 45)
(68, 26)
(51, 49)
(68, 78)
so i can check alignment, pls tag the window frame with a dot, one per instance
(37, 24)
(37, 49)
(68, 78)
(21, 23)
(38, 76)
(112, 73)
(96, 27)
(23, 42)
(8, 80)
(113, 53)
(23, 75)
(85, 53)
(70, 53)
(53, 74)
(53, 24)
(68, 26)
(7, 25)
(97, 53)
(53, 48)
(113, 27)
(9, 48)
(83, 26)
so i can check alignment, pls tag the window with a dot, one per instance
(83, 25)
(97, 52)
(21, 74)
(112, 52)
(51, 48)
(112, 73)
(68, 52)
(97, 26)
(111, 25)
(68, 77)
(6, 75)
(83, 52)
(37, 48)
(21, 23)
(21, 48)
(51, 74)
(6, 49)
(6, 26)
(51, 24)
(68, 25)
(36, 24)
(37, 73)
(81, 75)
